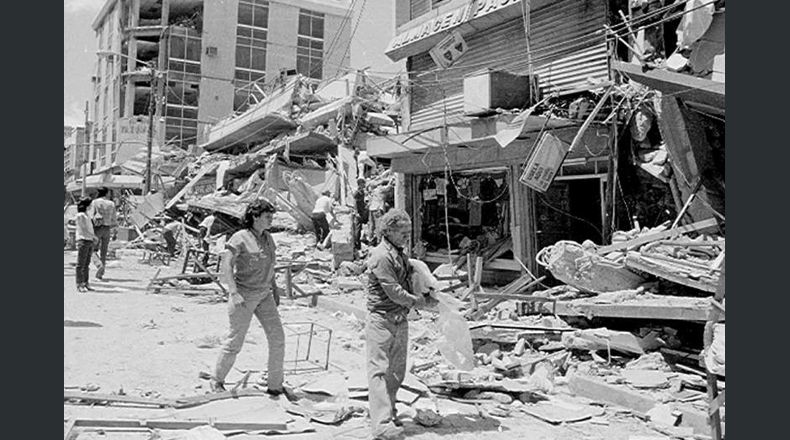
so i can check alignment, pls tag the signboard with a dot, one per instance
(544, 162)
(132, 137)
(448, 50)
(448, 20)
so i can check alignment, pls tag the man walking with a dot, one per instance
(104, 220)
(387, 330)
(361, 215)
(248, 271)
(322, 208)
(85, 238)
(205, 235)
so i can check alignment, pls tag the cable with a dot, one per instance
(353, 33)
(346, 19)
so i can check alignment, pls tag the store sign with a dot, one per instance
(449, 20)
(448, 50)
(132, 138)
(546, 160)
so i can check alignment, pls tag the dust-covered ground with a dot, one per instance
(121, 338)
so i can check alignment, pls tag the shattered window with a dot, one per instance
(310, 44)
(181, 112)
(251, 37)
(184, 48)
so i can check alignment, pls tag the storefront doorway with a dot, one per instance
(571, 209)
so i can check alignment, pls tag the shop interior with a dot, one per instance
(477, 211)
(571, 209)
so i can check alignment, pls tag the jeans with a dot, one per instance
(240, 316)
(171, 242)
(321, 226)
(84, 251)
(103, 232)
(387, 347)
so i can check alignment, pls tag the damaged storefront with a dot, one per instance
(469, 137)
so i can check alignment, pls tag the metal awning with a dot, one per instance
(686, 87)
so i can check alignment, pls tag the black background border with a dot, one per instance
(758, 168)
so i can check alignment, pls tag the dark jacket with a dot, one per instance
(389, 281)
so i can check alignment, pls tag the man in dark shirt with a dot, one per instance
(361, 216)
(387, 330)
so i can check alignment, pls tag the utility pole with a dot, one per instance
(85, 152)
(151, 112)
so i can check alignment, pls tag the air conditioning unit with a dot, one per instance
(487, 90)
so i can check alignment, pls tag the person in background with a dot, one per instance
(104, 220)
(321, 210)
(85, 238)
(170, 232)
(205, 234)
(248, 271)
(361, 215)
(390, 298)
(377, 209)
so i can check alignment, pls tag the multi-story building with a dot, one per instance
(73, 151)
(211, 59)
(467, 61)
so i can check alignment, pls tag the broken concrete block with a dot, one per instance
(348, 283)
(602, 339)
(427, 417)
(201, 433)
(488, 348)
(518, 350)
(662, 416)
(493, 395)
(646, 378)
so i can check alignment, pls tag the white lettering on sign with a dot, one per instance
(449, 20)
(544, 163)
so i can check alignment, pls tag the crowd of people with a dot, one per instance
(95, 221)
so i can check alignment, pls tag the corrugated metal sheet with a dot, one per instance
(419, 7)
(568, 48)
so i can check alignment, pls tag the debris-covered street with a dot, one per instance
(463, 218)
(125, 342)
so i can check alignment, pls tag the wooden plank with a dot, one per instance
(179, 424)
(518, 297)
(187, 402)
(694, 227)
(635, 261)
(96, 397)
(203, 171)
(518, 327)
(634, 311)
(69, 429)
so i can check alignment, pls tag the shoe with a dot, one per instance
(87, 287)
(388, 432)
(284, 391)
(217, 386)
(396, 421)
(80, 289)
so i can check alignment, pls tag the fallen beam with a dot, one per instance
(95, 397)
(187, 402)
(690, 311)
(675, 274)
(698, 226)
(178, 424)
